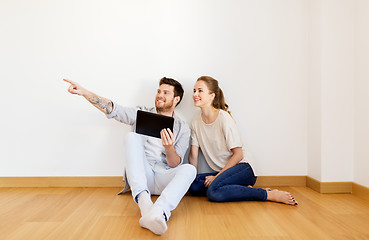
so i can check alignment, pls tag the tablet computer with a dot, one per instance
(150, 124)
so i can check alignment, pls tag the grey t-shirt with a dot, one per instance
(154, 149)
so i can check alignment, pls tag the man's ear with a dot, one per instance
(176, 100)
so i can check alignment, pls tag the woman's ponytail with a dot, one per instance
(212, 84)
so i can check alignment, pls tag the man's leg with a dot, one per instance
(139, 173)
(173, 185)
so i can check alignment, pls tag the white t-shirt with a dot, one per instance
(217, 139)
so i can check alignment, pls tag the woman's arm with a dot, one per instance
(235, 159)
(194, 155)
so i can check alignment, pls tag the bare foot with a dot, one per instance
(267, 189)
(281, 196)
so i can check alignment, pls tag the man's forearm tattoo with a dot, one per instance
(103, 104)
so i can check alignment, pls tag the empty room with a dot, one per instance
(174, 119)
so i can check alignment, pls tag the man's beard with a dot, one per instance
(165, 106)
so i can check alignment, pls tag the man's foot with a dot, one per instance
(144, 202)
(154, 221)
(281, 196)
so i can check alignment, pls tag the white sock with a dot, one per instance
(144, 202)
(154, 221)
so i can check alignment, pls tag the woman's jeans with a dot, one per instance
(231, 185)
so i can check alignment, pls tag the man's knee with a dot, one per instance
(132, 139)
(133, 148)
(131, 136)
(188, 170)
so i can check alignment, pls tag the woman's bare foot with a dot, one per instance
(267, 189)
(281, 196)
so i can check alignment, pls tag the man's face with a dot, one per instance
(164, 99)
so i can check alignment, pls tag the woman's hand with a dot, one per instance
(209, 179)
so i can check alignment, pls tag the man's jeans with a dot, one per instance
(156, 177)
(231, 185)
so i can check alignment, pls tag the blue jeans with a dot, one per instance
(229, 186)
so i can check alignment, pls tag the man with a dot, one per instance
(152, 165)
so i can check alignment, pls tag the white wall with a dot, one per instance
(314, 89)
(294, 73)
(120, 49)
(361, 163)
(337, 90)
(331, 94)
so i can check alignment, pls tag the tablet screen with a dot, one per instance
(151, 124)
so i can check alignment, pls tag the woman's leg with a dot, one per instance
(232, 185)
(198, 188)
(281, 196)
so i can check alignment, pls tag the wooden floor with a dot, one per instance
(98, 213)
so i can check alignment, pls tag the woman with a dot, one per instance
(215, 132)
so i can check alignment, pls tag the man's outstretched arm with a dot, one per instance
(103, 104)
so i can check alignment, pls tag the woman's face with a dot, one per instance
(201, 95)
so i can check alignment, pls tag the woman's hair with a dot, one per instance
(212, 84)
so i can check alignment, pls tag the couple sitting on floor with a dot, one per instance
(154, 166)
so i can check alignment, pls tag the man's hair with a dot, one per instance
(178, 89)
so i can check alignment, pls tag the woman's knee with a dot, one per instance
(197, 188)
(215, 196)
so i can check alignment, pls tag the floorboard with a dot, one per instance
(98, 213)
